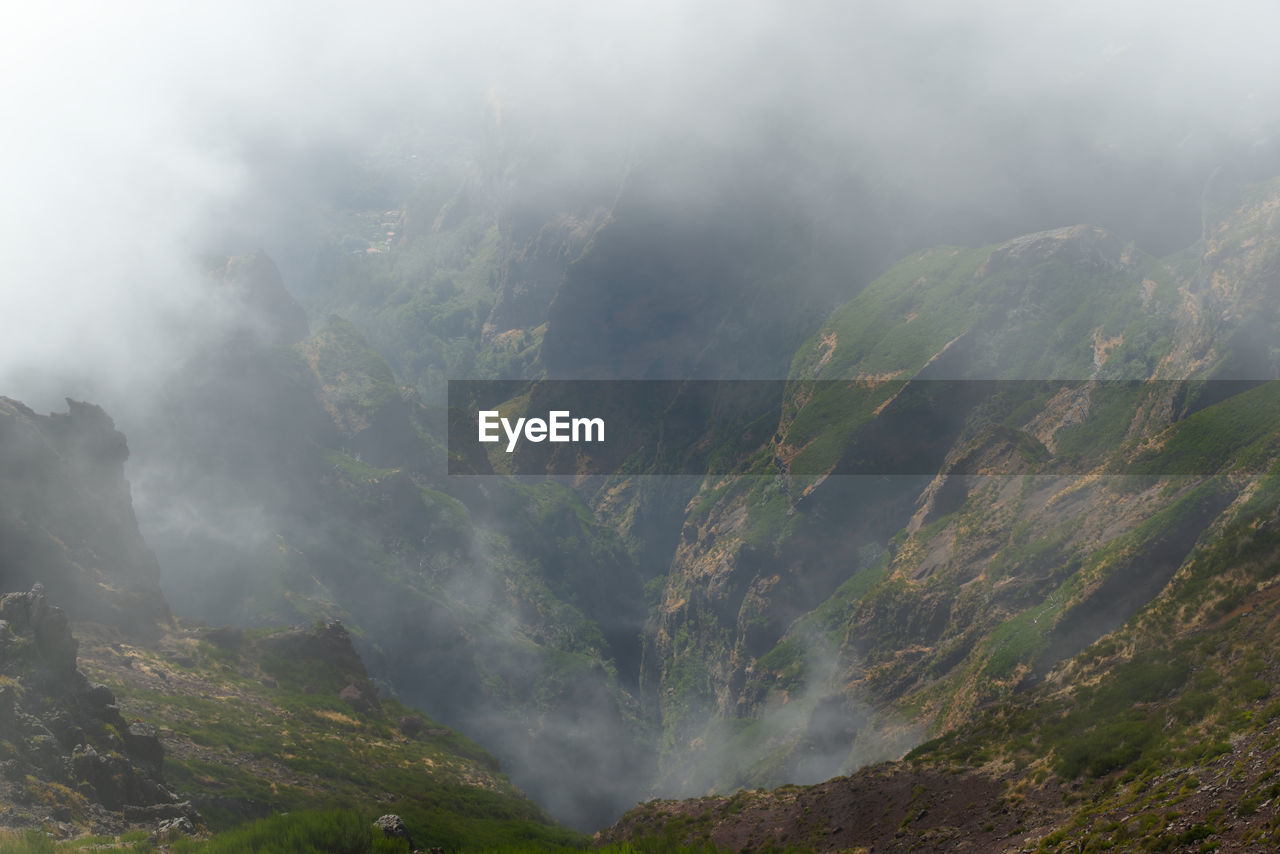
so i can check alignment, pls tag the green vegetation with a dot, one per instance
(352, 469)
(769, 513)
(333, 832)
(1241, 430)
(252, 726)
(423, 295)
(997, 316)
(347, 832)
(832, 614)
(689, 700)
(788, 661)
(1111, 727)
(712, 496)
(330, 832)
(869, 330)
(1111, 411)
(828, 407)
(1181, 694)
(352, 374)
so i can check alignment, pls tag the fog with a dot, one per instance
(139, 137)
(141, 134)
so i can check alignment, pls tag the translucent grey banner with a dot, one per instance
(862, 427)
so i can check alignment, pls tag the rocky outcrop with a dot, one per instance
(67, 519)
(393, 827)
(69, 756)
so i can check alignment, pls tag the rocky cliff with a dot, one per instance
(67, 518)
(71, 760)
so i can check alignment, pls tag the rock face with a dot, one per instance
(69, 755)
(66, 516)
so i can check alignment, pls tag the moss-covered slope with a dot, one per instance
(262, 722)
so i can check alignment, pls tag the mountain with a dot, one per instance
(802, 625)
(1086, 635)
(781, 645)
(1063, 611)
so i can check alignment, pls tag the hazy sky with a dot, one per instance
(139, 134)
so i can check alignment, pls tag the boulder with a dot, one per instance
(393, 827)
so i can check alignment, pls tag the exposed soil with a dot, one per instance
(889, 807)
(903, 806)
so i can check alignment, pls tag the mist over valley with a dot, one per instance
(254, 588)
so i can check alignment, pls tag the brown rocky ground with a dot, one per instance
(1229, 803)
(888, 807)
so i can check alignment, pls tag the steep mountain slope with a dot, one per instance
(1161, 736)
(762, 552)
(755, 555)
(1144, 516)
